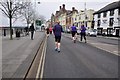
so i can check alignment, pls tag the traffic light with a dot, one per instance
(38, 22)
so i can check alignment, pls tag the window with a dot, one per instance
(75, 19)
(111, 22)
(111, 12)
(99, 15)
(79, 18)
(104, 14)
(119, 11)
(98, 24)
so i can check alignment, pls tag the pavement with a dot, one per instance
(109, 37)
(17, 54)
(103, 46)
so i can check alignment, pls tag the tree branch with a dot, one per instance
(4, 12)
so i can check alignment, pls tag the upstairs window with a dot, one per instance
(119, 11)
(98, 24)
(75, 19)
(104, 14)
(111, 22)
(79, 18)
(99, 15)
(111, 12)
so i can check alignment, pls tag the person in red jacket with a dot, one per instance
(50, 29)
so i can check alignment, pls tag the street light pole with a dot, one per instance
(85, 22)
(35, 13)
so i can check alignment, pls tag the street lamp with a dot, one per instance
(85, 22)
(35, 14)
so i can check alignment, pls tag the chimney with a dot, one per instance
(63, 6)
(73, 8)
(60, 7)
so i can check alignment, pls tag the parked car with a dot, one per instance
(104, 34)
(78, 32)
(92, 32)
(114, 34)
(68, 31)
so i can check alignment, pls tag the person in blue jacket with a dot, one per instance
(74, 32)
(83, 32)
(57, 30)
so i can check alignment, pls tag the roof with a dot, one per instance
(111, 6)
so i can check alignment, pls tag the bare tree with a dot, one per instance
(11, 8)
(30, 15)
(27, 13)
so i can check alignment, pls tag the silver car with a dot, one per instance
(92, 32)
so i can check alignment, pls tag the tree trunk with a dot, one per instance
(10, 17)
(11, 28)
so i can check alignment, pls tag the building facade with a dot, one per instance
(69, 17)
(107, 20)
(86, 18)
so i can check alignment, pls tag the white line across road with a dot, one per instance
(40, 70)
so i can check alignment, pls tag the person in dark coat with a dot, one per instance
(32, 29)
(57, 30)
(47, 31)
(74, 33)
(83, 32)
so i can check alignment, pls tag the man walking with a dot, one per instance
(32, 29)
(57, 30)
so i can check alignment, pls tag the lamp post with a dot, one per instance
(35, 13)
(85, 22)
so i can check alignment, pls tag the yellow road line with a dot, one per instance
(42, 70)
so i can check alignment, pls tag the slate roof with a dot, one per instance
(111, 6)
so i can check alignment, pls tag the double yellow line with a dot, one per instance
(40, 70)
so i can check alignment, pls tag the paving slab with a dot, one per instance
(17, 54)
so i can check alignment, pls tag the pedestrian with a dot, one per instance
(50, 29)
(47, 32)
(26, 31)
(83, 32)
(74, 33)
(32, 29)
(17, 34)
(57, 30)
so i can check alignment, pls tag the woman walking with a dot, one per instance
(83, 32)
(74, 33)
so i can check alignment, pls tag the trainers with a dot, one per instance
(55, 49)
(58, 50)
(74, 41)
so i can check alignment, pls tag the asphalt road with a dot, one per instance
(79, 60)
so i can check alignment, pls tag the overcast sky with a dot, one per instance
(47, 7)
